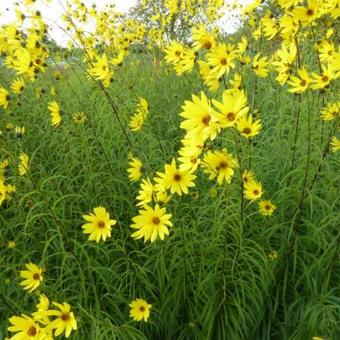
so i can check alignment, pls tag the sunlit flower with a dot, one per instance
(99, 225)
(32, 277)
(140, 310)
(151, 223)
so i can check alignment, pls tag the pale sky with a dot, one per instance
(51, 12)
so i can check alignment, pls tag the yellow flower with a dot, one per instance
(4, 169)
(247, 127)
(145, 194)
(151, 223)
(266, 207)
(199, 121)
(252, 190)
(273, 255)
(55, 113)
(136, 169)
(233, 106)
(299, 84)
(40, 317)
(331, 111)
(99, 226)
(221, 59)
(202, 38)
(219, 164)
(43, 303)
(187, 62)
(100, 70)
(136, 122)
(174, 52)
(260, 66)
(335, 144)
(175, 179)
(4, 98)
(24, 164)
(24, 327)
(11, 244)
(247, 176)
(139, 117)
(64, 321)
(189, 154)
(140, 310)
(309, 13)
(32, 277)
(18, 86)
(5, 191)
(79, 117)
(209, 77)
(19, 131)
(320, 81)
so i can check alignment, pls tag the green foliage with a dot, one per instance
(212, 277)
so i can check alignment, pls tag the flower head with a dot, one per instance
(79, 117)
(176, 179)
(4, 98)
(24, 164)
(32, 277)
(266, 208)
(99, 225)
(151, 223)
(136, 169)
(252, 190)
(140, 310)
(232, 107)
(55, 112)
(219, 164)
(64, 321)
(247, 127)
(24, 327)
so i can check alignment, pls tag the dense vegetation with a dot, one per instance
(216, 157)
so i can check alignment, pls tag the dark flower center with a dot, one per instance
(303, 82)
(223, 165)
(65, 317)
(177, 177)
(206, 119)
(256, 192)
(101, 224)
(36, 276)
(325, 79)
(223, 61)
(310, 12)
(267, 207)
(156, 220)
(207, 45)
(247, 130)
(142, 308)
(177, 53)
(231, 116)
(32, 331)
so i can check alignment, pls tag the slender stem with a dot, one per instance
(241, 181)
(296, 133)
